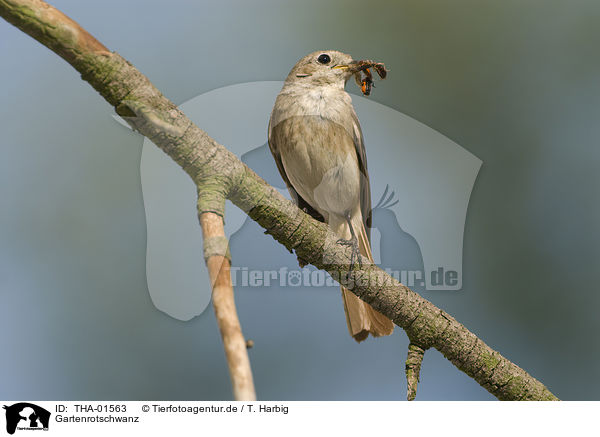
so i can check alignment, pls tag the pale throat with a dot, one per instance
(322, 99)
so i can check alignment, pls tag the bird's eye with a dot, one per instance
(324, 59)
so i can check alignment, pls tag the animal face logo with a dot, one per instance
(26, 416)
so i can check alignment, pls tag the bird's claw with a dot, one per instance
(355, 255)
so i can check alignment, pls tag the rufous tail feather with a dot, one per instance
(361, 318)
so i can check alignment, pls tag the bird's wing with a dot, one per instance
(365, 186)
(274, 137)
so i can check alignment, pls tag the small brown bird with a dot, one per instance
(317, 143)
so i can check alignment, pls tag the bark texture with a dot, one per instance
(219, 268)
(413, 369)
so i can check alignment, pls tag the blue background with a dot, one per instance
(516, 83)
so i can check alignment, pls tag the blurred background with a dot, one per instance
(515, 83)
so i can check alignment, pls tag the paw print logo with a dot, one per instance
(294, 279)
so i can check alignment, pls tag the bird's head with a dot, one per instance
(325, 67)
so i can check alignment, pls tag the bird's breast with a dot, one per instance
(320, 161)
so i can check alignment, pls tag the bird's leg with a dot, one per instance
(353, 243)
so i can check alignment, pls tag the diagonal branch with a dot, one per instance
(221, 174)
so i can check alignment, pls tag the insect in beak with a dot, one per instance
(360, 68)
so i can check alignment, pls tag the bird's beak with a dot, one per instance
(350, 67)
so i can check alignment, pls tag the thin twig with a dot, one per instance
(225, 312)
(413, 368)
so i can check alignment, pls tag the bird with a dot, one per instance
(316, 140)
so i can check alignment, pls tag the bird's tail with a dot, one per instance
(361, 318)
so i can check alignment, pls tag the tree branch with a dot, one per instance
(221, 174)
(218, 263)
(413, 368)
